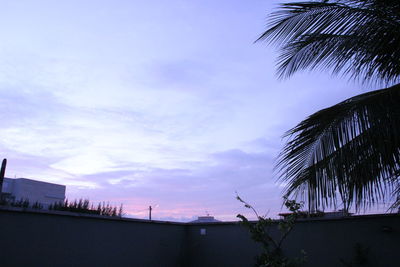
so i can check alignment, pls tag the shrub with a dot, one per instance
(272, 254)
(84, 206)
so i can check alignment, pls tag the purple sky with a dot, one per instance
(166, 103)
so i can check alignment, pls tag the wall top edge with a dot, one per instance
(83, 215)
(100, 217)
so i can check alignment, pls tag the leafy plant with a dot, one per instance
(84, 206)
(37, 206)
(22, 203)
(272, 255)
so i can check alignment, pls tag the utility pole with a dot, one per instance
(150, 212)
(2, 173)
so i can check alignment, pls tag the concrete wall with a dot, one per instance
(44, 239)
(40, 239)
(222, 245)
(324, 241)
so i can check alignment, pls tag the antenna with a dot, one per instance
(150, 209)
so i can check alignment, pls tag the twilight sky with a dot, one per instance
(163, 103)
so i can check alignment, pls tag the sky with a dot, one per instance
(162, 103)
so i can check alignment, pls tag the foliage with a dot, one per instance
(260, 231)
(84, 206)
(360, 38)
(80, 206)
(7, 201)
(350, 151)
(22, 203)
(37, 206)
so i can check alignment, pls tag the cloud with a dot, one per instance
(207, 186)
(179, 110)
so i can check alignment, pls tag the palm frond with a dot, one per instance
(348, 152)
(356, 38)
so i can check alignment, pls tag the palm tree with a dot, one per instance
(349, 152)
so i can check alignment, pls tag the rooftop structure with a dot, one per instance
(33, 190)
(205, 219)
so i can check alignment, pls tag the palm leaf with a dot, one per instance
(356, 38)
(348, 152)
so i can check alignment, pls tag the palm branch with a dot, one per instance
(348, 152)
(353, 37)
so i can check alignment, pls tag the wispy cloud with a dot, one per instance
(166, 103)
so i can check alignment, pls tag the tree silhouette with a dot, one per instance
(350, 151)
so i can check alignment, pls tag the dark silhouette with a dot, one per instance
(350, 151)
(2, 173)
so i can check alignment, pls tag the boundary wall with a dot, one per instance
(58, 239)
(39, 238)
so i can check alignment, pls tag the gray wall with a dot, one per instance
(324, 241)
(39, 239)
(42, 239)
